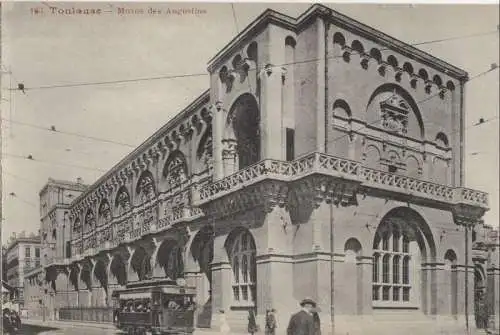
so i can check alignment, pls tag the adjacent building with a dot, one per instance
(22, 254)
(325, 160)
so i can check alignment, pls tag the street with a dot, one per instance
(58, 328)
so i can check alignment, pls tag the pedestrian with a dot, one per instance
(224, 327)
(271, 324)
(317, 322)
(302, 322)
(252, 324)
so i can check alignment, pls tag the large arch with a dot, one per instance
(170, 259)
(398, 102)
(140, 265)
(202, 250)
(402, 246)
(117, 271)
(243, 126)
(85, 275)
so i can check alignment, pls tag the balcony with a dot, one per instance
(320, 163)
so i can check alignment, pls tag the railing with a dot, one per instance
(91, 314)
(135, 233)
(342, 168)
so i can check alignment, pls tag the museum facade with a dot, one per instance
(325, 160)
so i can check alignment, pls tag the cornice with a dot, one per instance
(338, 19)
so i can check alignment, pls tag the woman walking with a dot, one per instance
(270, 322)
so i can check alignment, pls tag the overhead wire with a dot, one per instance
(55, 130)
(31, 159)
(166, 77)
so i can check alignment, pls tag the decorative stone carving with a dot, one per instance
(90, 219)
(124, 202)
(207, 154)
(314, 190)
(229, 150)
(364, 61)
(394, 112)
(104, 213)
(467, 215)
(267, 195)
(147, 188)
(176, 171)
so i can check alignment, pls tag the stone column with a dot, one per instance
(221, 278)
(229, 156)
(271, 78)
(217, 130)
(493, 291)
(275, 266)
(321, 86)
(444, 289)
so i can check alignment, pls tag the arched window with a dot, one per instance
(122, 200)
(243, 126)
(89, 220)
(242, 256)
(146, 186)
(392, 246)
(104, 213)
(175, 171)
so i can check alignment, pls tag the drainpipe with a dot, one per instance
(332, 279)
(467, 277)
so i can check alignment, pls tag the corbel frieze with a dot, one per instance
(267, 194)
(314, 190)
(467, 215)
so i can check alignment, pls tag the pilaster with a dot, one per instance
(221, 277)
(271, 78)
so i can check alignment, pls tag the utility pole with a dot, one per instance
(332, 272)
(467, 277)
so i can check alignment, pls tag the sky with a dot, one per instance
(48, 49)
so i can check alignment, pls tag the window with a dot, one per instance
(392, 256)
(27, 252)
(290, 144)
(68, 249)
(37, 252)
(243, 264)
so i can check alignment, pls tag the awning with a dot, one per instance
(135, 295)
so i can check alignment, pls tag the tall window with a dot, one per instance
(290, 144)
(391, 266)
(27, 252)
(37, 252)
(243, 264)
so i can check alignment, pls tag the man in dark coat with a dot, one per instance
(302, 323)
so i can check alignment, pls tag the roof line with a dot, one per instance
(316, 10)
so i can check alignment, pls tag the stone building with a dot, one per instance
(22, 254)
(325, 160)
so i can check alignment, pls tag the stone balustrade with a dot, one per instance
(321, 163)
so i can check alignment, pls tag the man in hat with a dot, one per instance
(302, 323)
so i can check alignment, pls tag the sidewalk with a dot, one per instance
(38, 322)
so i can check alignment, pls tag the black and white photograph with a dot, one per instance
(205, 168)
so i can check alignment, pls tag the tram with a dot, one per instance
(156, 307)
